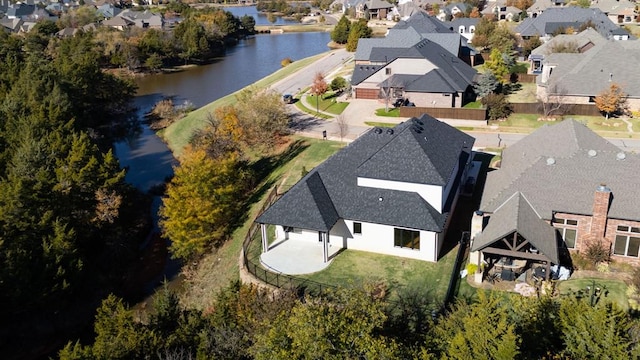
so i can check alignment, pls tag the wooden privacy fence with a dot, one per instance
(566, 109)
(445, 113)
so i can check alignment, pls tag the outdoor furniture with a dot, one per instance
(507, 275)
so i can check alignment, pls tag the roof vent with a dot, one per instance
(603, 188)
(418, 121)
(621, 155)
(390, 131)
(377, 130)
(417, 129)
(592, 153)
(551, 161)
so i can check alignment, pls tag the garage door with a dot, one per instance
(366, 93)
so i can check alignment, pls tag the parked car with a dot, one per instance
(287, 98)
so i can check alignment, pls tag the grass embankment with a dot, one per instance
(393, 112)
(217, 269)
(177, 135)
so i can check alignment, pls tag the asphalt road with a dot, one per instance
(304, 77)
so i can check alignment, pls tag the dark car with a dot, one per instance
(287, 98)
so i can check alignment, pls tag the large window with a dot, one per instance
(568, 230)
(406, 238)
(627, 241)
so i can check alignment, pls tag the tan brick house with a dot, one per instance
(576, 181)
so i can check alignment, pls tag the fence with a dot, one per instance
(527, 78)
(445, 113)
(572, 109)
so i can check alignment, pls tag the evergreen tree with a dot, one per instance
(358, 30)
(340, 33)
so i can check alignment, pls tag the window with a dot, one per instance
(406, 238)
(461, 29)
(387, 71)
(568, 230)
(357, 228)
(472, 29)
(627, 241)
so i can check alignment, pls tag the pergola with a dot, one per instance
(516, 231)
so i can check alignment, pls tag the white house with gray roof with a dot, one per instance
(391, 191)
(575, 180)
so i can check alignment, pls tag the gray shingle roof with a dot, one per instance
(517, 214)
(590, 73)
(580, 39)
(455, 72)
(567, 183)
(423, 23)
(567, 15)
(423, 149)
(363, 72)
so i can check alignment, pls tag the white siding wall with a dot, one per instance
(430, 193)
(379, 239)
(298, 234)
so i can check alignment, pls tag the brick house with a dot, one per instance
(576, 181)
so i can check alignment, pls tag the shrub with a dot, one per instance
(338, 83)
(499, 107)
(597, 253)
(471, 268)
(285, 62)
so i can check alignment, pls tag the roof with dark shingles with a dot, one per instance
(569, 183)
(567, 15)
(517, 214)
(457, 73)
(363, 72)
(423, 23)
(423, 149)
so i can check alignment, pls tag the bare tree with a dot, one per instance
(389, 87)
(553, 101)
(343, 126)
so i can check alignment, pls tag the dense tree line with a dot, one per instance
(69, 224)
(283, 7)
(244, 322)
(201, 35)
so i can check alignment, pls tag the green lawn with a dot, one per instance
(473, 105)
(327, 103)
(526, 93)
(302, 107)
(353, 268)
(393, 112)
(177, 135)
(379, 124)
(616, 289)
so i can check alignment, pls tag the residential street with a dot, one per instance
(361, 111)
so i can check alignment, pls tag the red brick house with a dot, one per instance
(576, 181)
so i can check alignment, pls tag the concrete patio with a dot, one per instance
(295, 257)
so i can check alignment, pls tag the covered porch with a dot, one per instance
(516, 244)
(296, 257)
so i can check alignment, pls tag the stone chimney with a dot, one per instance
(601, 201)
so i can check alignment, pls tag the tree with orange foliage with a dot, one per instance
(611, 100)
(318, 88)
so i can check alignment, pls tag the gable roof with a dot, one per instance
(423, 23)
(458, 74)
(396, 154)
(558, 168)
(378, 4)
(590, 73)
(517, 214)
(567, 16)
(580, 39)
